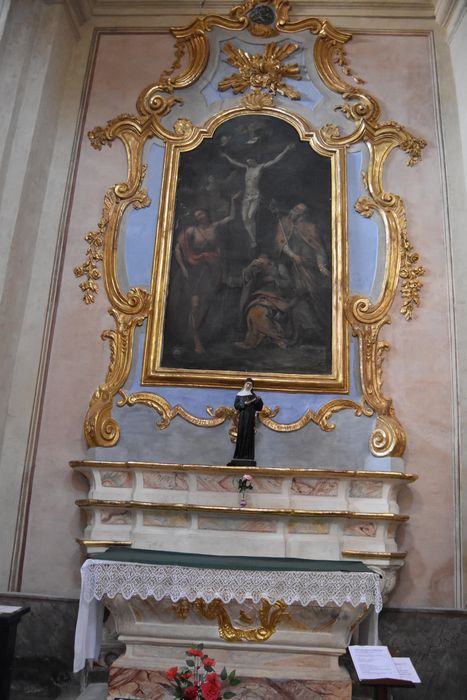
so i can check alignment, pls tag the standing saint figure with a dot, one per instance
(247, 404)
(300, 247)
(250, 201)
(197, 253)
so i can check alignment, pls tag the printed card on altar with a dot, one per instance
(375, 663)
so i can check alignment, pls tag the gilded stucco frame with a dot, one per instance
(365, 318)
(335, 381)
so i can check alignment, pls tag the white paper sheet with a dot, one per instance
(376, 663)
(406, 669)
(373, 662)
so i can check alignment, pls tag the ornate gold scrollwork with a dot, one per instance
(257, 100)
(269, 614)
(388, 438)
(94, 253)
(409, 271)
(100, 428)
(223, 413)
(320, 417)
(130, 309)
(262, 71)
(168, 412)
(156, 102)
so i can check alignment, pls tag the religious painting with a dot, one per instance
(249, 277)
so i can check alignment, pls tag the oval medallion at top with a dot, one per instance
(262, 14)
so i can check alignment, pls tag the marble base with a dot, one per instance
(299, 660)
(144, 683)
(309, 514)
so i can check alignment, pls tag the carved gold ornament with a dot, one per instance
(269, 616)
(221, 414)
(262, 71)
(256, 100)
(264, 75)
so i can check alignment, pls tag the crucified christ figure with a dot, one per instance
(250, 201)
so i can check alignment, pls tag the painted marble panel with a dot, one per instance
(240, 524)
(314, 487)
(167, 519)
(116, 479)
(140, 683)
(161, 480)
(366, 489)
(135, 682)
(116, 517)
(366, 529)
(312, 527)
(208, 482)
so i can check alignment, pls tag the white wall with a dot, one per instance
(458, 45)
(34, 53)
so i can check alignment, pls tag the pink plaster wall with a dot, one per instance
(125, 64)
(399, 73)
(417, 373)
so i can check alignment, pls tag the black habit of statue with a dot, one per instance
(245, 446)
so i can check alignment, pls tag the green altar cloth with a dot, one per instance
(211, 561)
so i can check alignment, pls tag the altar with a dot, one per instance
(177, 560)
(249, 289)
(161, 601)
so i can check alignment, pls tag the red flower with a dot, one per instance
(209, 662)
(211, 688)
(191, 692)
(195, 652)
(213, 678)
(171, 673)
(187, 674)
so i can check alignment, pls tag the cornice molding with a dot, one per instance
(449, 14)
(409, 9)
(77, 11)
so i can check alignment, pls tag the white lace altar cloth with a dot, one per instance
(101, 579)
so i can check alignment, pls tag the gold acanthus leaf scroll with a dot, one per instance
(410, 272)
(262, 71)
(221, 414)
(269, 614)
(257, 99)
(95, 239)
(94, 253)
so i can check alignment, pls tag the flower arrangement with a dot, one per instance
(197, 680)
(244, 483)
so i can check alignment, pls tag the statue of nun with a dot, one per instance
(247, 404)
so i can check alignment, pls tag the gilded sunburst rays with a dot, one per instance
(264, 71)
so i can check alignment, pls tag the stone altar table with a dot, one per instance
(162, 602)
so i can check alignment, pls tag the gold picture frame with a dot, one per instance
(259, 78)
(335, 379)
